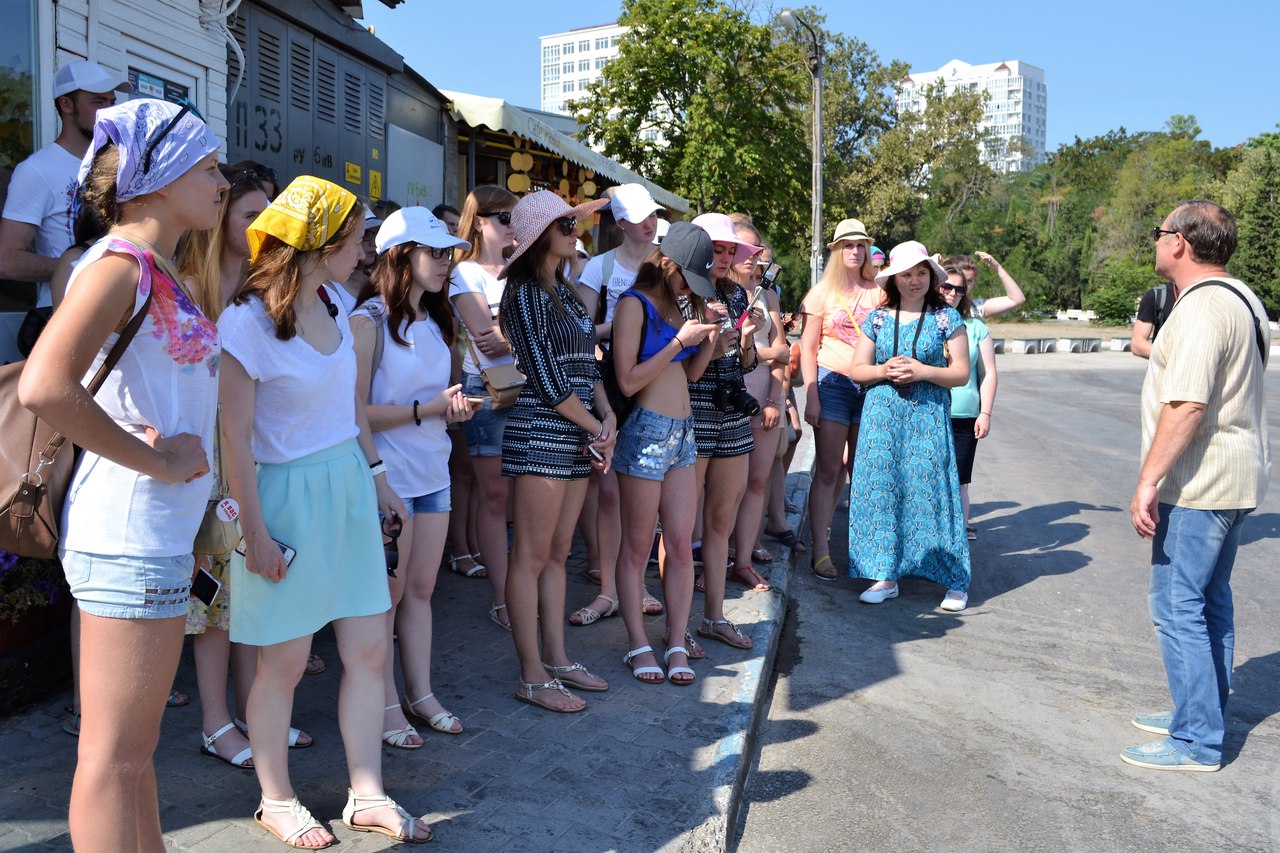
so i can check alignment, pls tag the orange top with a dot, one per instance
(842, 315)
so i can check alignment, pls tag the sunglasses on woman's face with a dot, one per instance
(504, 216)
(948, 287)
(567, 225)
(436, 254)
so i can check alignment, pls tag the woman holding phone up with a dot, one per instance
(308, 507)
(405, 379)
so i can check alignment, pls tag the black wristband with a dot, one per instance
(417, 421)
(375, 463)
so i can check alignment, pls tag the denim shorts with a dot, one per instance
(649, 445)
(840, 397)
(116, 587)
(484, 429)
(433, 502)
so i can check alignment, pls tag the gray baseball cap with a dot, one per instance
(690, 248)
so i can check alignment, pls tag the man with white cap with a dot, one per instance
(36, 210)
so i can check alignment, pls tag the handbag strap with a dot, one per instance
(117, 350)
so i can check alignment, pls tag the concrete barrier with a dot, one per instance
(998, 344)
(1048, 345)
(1029, 346)
(1121, 345)
(1080, 344)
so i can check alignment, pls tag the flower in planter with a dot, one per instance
(27, 582)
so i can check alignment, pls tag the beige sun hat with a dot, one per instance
(534, 213)
(849, 229)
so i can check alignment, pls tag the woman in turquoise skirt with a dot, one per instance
(905, 517)
(312, 553)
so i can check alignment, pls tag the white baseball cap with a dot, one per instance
(632, 202)
(661, 231)
(416, 225)
(371, 219)
(82, 75)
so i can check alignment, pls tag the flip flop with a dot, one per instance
(750, 578)
(315, 665)
(817, 570)
(788, 538)
(761, 555)
(526, 691)
(177, 700)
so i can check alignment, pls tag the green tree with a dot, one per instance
(1257, 210)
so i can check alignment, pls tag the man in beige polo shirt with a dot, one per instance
(1205, 465)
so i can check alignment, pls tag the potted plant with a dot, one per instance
(33, 595)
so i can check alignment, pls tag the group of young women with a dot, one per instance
(330, 430)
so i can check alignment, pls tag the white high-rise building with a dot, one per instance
(572, 60)
(1015, 108)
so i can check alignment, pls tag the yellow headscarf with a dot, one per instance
(305, 215)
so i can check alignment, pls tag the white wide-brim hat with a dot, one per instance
(534, 214)
(906, 255)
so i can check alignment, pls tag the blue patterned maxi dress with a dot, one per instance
(904, 506)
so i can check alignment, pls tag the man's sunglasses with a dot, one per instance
(187, 107)
(504, 216)
(1157, 231)
(567, 225)
(948, 287)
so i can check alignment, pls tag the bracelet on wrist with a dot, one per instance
(380, 468)
(599, 434)
(417, 421)
(679, 342)
(772, 401)
(988, 414)
(375, 463)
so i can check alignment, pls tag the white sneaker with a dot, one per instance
(875, 594)
(955, 600)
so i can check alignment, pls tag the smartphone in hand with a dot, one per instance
(205, 588)
(285, 551)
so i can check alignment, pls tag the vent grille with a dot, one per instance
(377, 110)
(300, 75)
(326, 90)
(352, 102)
(269, 65)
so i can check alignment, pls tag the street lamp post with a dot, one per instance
(792, 21)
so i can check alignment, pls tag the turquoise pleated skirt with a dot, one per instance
(325, 508)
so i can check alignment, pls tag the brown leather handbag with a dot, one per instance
(502, 381)
(34, 476)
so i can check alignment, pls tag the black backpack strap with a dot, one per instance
(1258, 335)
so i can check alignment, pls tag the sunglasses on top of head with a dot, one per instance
(187, 107)
(948, 287)
(503, 216)
(258, 172)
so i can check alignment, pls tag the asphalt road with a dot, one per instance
(900, 727)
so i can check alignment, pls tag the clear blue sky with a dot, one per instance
(1130, 63)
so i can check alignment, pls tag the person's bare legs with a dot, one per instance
(363, 648)
(270, 708)
(127, 670)
(491, 525)
(750, 520)
(641, 498)
(725, 481)
(414, 624)
(587, 521)
(539, 506)
(676, 509)
(75, 662)
(551, 580)
(244, 666)
(461, 485)
(828, 475)
(213, 661)
(393, 718)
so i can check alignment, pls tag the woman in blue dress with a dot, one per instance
(905, 517)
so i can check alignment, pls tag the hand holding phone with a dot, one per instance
(205, 587)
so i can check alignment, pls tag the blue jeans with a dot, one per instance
(1190, 602)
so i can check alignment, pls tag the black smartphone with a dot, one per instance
(205, 588)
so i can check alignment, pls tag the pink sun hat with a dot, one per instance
(721, 229)
(534, 214)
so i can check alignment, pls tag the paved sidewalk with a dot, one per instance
(644, 768)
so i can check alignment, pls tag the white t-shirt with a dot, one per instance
(345, 299)
(167, 378)
(470, 277)
(621, 277)
(417, 457)
(40, 194)
(304, 401)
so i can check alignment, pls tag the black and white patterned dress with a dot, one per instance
(721, 434)
(556, 351)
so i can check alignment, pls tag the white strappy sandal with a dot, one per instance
(305, 822)
(404, 833)
(636, 672)
(442, 722)
(399, 737)
(237, 760)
